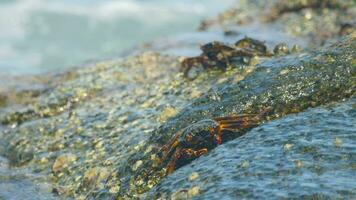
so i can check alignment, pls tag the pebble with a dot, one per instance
(287, 146)
(298, 163)
(337, 142)
(137, 165)
(194, 191)
(193, 176)
(179, 195)
(167, 113)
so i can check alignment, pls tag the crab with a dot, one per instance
(255, 47)
(199, 138)
(214, 54)
(219, 55)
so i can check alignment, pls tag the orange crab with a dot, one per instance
(200, 137)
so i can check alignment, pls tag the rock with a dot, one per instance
(114, 115)
(180, 195)
(137, 165)
(312, 80)
(326, 172)
(194, 191)
(193, 176)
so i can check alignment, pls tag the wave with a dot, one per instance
(40, 33)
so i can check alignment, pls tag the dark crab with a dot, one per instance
(202, 136)
(215, 54)
(219, 55)
(256, 47)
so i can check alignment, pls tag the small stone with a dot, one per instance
(246, 60)
(194, 191)
(137, 165)
(167, 113)
(287, 146)
(179, 195)
(285, 71)
(337, 142)
(109, 161)
(298, 163)
(103, 174)
(153, 157)
(308, 15)
(62, 162)
(80, 197)
(99, 144)
(245, 164)
(148, 149)
(254, 61)
(195, 93)
(114, 189)
(193, 176)
(43, 160)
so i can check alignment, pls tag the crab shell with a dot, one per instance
(199, 135)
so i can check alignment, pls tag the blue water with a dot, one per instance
(38, 36)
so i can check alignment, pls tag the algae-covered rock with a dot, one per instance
(95, 132)
(289, 84)
(102, 115)
(284, 85)
(313, 167)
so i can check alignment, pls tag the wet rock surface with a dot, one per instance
(284, 85)
(306, 155)
(95, 132)
(315, 21)
(22, 184)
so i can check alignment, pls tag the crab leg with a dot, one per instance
(188, 63)
(172, 143)
(238, 122)
(238, 126)
(235, 124)
(234, 118)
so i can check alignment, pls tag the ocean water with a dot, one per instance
(38, 36)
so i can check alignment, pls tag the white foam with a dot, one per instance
(28, 33)
(14, 16)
